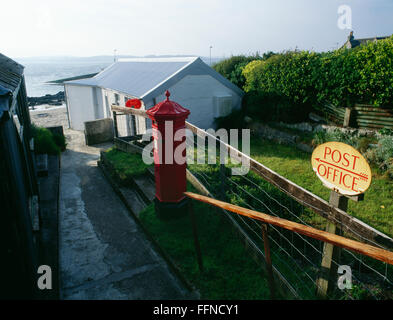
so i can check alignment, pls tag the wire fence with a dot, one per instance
(297, 257)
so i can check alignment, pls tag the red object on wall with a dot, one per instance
(134, 103)
(170, 177)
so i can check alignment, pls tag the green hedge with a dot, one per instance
(342, 77)
(232, 67)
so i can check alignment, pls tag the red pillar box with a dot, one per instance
(169, 118)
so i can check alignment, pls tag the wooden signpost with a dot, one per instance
(344, 170)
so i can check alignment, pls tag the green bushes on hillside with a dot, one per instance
(290, 84)
(343, 77)
(232, 67)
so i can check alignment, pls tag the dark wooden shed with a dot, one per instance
(18, 188)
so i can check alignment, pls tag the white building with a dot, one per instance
(191, 82)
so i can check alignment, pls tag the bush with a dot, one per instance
(60, 141)
(232, 68)
(307, 80)
(268, 107)
(235, 120)
(44, 141)
(335, 135)
(290, 74)
(384, 151)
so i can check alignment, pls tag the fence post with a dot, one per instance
(347, 117)
(115, 124)
(328, 273)
(223, 185)
(268, 260)
(195, 234)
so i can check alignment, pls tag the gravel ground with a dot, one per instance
(52, 116)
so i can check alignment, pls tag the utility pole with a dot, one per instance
(211, 55)
(114, 55)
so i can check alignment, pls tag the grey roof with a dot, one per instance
(353, 43)
(83, 76)
(147, 77)
(358, 42)
(11, 73)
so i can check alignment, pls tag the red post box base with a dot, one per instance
(171, 210)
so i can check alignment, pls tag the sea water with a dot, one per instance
(38, 73)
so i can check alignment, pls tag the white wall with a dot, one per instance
(80, 105)
(124, 122)
(196, 93)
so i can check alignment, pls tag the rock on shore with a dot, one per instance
(50, 99)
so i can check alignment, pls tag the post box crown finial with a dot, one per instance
(167, 109)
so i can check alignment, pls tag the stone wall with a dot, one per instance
(264, 131)
(99, 131)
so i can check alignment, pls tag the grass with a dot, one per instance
(126, 165)
(295, 165)
(229, 272)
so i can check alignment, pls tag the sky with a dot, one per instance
(31, 28)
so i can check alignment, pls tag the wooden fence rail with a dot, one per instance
(365, 249)
(347, 223)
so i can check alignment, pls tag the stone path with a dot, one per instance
(103, 253)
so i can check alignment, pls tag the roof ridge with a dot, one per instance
(171, 76)
(168, 59)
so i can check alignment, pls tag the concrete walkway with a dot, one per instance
(103, 252)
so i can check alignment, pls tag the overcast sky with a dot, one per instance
(190, 27)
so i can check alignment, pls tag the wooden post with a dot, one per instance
(347, 117)
(195, 234)
(268, 259)
(328, 273)
(115, 124)
(222, 182)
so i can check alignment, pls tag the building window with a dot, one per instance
(117, 98)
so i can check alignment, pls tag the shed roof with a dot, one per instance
(11, 73)
(146, 77)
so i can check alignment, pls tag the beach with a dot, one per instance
(49, 116)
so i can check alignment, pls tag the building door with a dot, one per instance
(131, 122)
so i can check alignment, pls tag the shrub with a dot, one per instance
(60, 141)
(334, 135)
(308, 80)
(290, 74)
(386, 132)
(44, 141)
(268, 107)
(384, 151)
(235, 120)
(232, 68)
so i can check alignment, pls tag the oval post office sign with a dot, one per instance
(341, 168)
